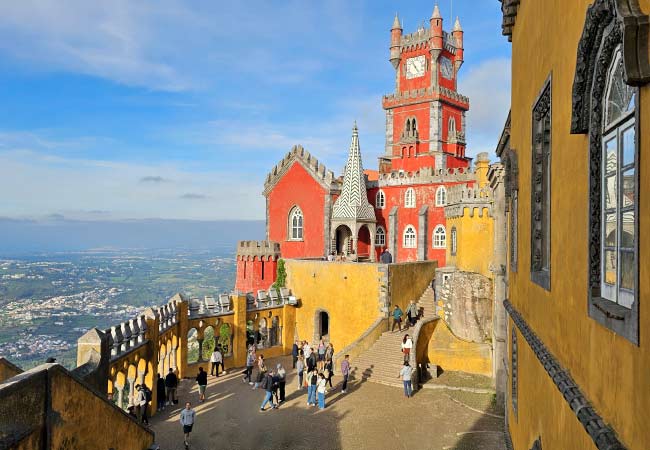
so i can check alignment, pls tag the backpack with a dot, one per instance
(147, 394)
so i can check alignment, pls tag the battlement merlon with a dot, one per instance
(473, 199)
(259, 249)
(429, 94)
(318, 170)
(427, 175)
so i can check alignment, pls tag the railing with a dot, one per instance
(127, 336)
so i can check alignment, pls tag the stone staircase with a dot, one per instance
(383, 361)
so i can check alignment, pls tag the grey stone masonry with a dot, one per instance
(258, 248)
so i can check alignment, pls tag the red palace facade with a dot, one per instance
(311, 212)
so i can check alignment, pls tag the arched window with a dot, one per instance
(295, 224)
(380, 200)
(451, 135)
(619, 188)
(410, 237)
(441, 196)
(440, 237)
(454, 241)
(380, 237)
(409, 198)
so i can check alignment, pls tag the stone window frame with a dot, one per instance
(439, 239)
(380, 199)
(409, 198)
(380, 232)
(514, 232)
(412, 236)
(294, 211)
(454, 241)
(452, 135)
(514, 371)
(441, 196)
(541, 181)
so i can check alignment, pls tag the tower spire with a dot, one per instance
(457, 26)
(436, 12)
(396, 24)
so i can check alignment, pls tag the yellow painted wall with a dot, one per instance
(437, 345)
(475, 242)
(612, 372)
(409, 280)
(349, 292)
(80, 414)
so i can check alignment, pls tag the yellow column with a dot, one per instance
(239, 330)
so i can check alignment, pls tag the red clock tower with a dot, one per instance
(425, 117)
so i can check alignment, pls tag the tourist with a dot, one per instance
(407, 345)
(300, 367)
(250, 363)
(397, 318)
(202, 381)
(294, 353)
(345, 371)
(306, 350)
(412, 313)
(171, 383)
(312, 381)
(331, 257)
(160, 392)
(386, 257)
(329, 352)
(322, 389)
(261, 371)
(329, 372)
(406, 373)
(216, 359)
(311, 360)
(141, 403)
(187, 420)
(267, 385)
(282, 376)
(321, 354)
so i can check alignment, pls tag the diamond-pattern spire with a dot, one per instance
(353, 202)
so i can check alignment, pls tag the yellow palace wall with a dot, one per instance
(612, 372)
(475, 242)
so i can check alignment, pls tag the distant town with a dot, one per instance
(48, 300)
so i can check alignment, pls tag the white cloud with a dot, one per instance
(488, 87)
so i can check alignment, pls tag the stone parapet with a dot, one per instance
(427, 175)
(425, 95)
(258, 248)
(470, 198)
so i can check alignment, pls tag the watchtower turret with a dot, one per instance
(395, 42)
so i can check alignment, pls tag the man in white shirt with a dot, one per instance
(306, 350)
(216, 359)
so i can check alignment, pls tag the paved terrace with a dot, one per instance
(369, 416)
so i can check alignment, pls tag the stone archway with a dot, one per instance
(322, 325)
(343, 239)
(364, 243)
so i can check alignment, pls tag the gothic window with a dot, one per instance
(380, 237)
(380, 200)
(618, 181)
(515, 374)
(451, 133)
(540, 232)
(441, 196)
(440, 237)
(514, 207)
(410, 237)
(409, 198)
(454, 241)
(296, 224)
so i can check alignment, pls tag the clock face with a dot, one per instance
(446, 68)
(415, 67)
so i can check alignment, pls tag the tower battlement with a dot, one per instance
(259, 249)
(471, 198)
(310, 162)
(426, 175)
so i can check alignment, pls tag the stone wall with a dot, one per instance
(8, 369)
(464, 301)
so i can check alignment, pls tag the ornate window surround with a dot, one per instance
(441, 196)
(380, 200)
(454, 241)
(439, 237)
(410, 238)
(514, 371)
(540, 199)
(380, 233)
(608, 24)
(299, 228)
(409, 198)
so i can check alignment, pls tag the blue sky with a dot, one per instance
(178, 109)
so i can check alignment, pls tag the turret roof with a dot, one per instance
(436, 13)
(457, 26)
(353, 202)
(396, 24)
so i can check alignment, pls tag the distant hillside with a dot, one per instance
(21, 236)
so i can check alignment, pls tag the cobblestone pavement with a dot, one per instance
(369, 416)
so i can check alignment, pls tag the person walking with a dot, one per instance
(300, 368)
(160, 392)
(397, 318)
(345, 371)
(412, 313)
(306, 350)
(250, 363)
(405, 374)
(282, 375)
(312, 381)
(407, 345)
(267, 385)
(321, 389)
(294, 353)
(171, 383)
(187, 421)
(329, 352)
(216, 359)
(321, 355)
(141, 404)
(329, 372)
(261, 371)
(202, 381)
(311, 360)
